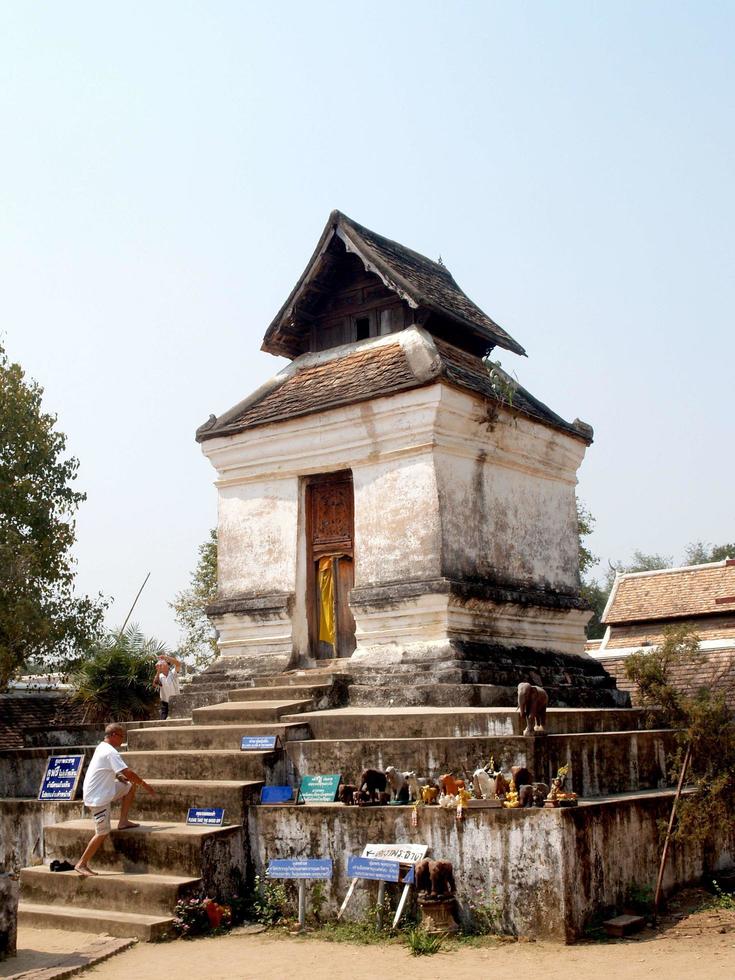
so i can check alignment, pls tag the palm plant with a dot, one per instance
(115, 680)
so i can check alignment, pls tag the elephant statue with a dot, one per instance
(532, 704)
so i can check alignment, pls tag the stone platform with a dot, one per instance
(551, 870)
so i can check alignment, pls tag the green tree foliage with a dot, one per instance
(699, 553)
(115, 680)
(199, 645)
(703, 721)
(40, 616)
(589, 587)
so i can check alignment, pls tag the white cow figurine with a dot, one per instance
(397, 783)
(482, 786)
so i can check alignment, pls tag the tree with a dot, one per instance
(40, 616)
(589, 587)
(115, 680)
(200, 637)
(699, 553)
(704, 723)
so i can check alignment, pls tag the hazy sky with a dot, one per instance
(166, 169)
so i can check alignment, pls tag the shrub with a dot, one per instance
(115, 680)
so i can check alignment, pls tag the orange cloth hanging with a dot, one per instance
(325, 578)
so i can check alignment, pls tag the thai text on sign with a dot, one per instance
(61, 778)
(313, 869)
(319, 789)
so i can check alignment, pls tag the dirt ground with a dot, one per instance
(687, 944)
(699, 944)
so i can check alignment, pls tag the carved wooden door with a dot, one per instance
(330, 523)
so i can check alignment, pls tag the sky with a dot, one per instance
(167, 167)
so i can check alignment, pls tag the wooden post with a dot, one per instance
(348, 896)
(381, 899)
(302, 904)
(665, 852)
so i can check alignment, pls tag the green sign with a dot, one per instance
(319, 789)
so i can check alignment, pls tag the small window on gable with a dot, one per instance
(362, 327)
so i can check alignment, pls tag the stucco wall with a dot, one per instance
(507, 496)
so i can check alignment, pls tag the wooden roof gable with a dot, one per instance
(421, 283)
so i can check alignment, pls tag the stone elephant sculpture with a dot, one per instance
(532, 704)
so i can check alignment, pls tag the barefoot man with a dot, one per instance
(108, 779)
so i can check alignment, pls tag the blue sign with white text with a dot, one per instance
(376, 869)
(61, 777)
(258, 743)
(276, 794)
(213, 816)
(314, 869)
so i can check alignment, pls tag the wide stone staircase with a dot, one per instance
(197, 762)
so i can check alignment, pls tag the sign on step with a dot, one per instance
(213, 816)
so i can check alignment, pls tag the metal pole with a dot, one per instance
(135, 600)
(665, 852)
(381, 899)
(302, 904)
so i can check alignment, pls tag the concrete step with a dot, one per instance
(212, 736)
(174, 797)
(217, 764)
(317, 692)
(158, 847)
(153, 894)
(599, 763)
(122, 925)
(158, 725)
(418, 722)
(249, 711)
(413, 694)
(300, 677)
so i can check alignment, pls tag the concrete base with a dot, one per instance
(551, 871)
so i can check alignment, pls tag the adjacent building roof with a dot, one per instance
(370, 369)
(413, 277)
(672, 593)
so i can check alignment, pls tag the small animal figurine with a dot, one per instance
(532, 704)
(525, 795)
(398, 784)
(429, 794)
(372, 782)
(540, 792)
(449, 785)
(435, 878)
(346, 794)
(415, 785)
(482, 785)
(499, 785)
(521, 776)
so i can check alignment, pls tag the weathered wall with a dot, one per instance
(552, 871)
(507, 497)
(21, 770)
(9, 889)
(21, 828)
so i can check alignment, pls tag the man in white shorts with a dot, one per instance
(108, 779)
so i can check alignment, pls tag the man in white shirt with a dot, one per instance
(167, 680)
(108, 779)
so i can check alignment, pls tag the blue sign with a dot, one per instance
(311, 868)
(375, 869)
(213, 816)
(258, 743)
(276, 794)
(61, 778)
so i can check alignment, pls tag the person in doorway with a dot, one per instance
(108, 779)
(167, 680)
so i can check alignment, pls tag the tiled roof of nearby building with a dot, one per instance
(20, 713)
(409, 274)
(697, 590)
(371, 369)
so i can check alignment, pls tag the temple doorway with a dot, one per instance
(330, 564)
